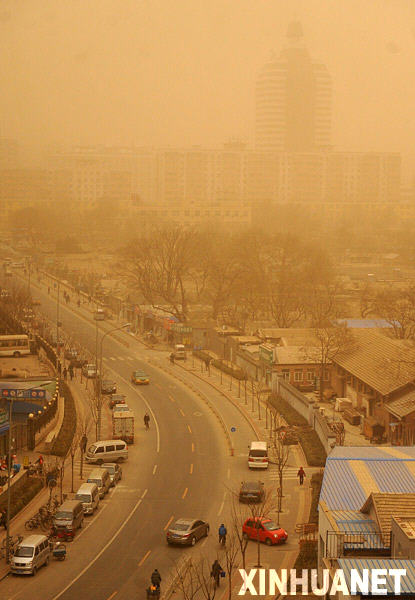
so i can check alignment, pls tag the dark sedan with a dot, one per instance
(251, 491)
(187, 532)
(108, 387)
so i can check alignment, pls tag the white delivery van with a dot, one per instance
(179, 352)
(88, 496)
(258, 455)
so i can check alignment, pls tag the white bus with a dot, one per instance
(14, 345)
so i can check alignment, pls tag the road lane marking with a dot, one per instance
(144, 493)
(223, 504)
(112, 358)
(181, 412)
(112, 595)
(184, 493)
(146, 555)
(101, 552)
(193, 447)
(191, 468)
(171, 398)
(168, 522)
(154, 469)
(188, 427)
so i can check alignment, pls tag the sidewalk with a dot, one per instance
(296, 501)
(17, 524)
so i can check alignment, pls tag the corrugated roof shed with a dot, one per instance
(407, 582)
(381, 362)
(353, 473)
(403, 406)
(351, 521)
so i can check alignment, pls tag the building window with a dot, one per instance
(286, 374)
(326, 376)
(298, 375)
(310, 376)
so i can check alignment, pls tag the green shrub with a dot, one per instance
(64, 438)
(308, 555)
(310, 442)
(316, 481)
(22, 495)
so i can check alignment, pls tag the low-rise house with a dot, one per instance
(377, 373)
(366, 507)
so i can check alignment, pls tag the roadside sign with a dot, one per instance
(25, 461)
(233, 429)
(23, 393)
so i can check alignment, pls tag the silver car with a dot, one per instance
(187, 531)
(115, 472)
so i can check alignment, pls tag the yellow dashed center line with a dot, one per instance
(193, 447)
(188, 427)
(171, 398)
(184, 494)
(112, 595)
(182, 413)
(146, 555)
(191, 468)
(168, 522)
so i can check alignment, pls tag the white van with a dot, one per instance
(32, 553)
(258, 455)
(107, 451)
(88, 496)
(179, 352)
(102, 480)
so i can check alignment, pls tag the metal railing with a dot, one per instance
(356, 542)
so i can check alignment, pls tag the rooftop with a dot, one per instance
(347, 565)
(353, 473)
(294, 355)
(383, 363)
(387, 505)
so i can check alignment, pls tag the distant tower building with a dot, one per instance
(293, 100)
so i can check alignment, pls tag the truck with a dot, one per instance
(123, 426)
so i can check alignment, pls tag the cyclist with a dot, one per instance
(216, 572)
(222, 534)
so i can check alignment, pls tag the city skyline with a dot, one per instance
(176, 77)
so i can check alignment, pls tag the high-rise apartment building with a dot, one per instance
(293, 100)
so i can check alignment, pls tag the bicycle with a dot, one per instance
(14, 541)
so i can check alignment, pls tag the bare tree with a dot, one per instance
(159, 266)
(195, 580)
(282, 453)
(231, 554)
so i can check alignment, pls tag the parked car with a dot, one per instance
(99, 314)
(115, 472)
(116, 399)
(267, 530)
(108, 387)
(89, 370)
(251, 491)
(139, 378)
(187, 531)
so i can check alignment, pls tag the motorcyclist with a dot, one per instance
(222, 534)
(156, 578)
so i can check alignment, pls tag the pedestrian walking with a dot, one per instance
(172, 358)
(71, 371)
(301, 474)
(147, 421)
(83, 444)
(65, 373)
(216, 572)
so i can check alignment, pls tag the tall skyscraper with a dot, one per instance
(293, 100)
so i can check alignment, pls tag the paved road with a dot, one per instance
(181, 469)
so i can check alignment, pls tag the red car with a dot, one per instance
(268, 531)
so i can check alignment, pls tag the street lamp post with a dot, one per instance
(57, 325)
(99, 379)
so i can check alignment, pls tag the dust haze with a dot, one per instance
(181, 73)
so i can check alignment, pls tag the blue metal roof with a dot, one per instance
(358, 564)
(341, 488)
(351, 521)
(365, 323)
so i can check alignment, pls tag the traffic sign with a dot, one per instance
(233, 429)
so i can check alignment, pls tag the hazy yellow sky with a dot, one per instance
(180, 72)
